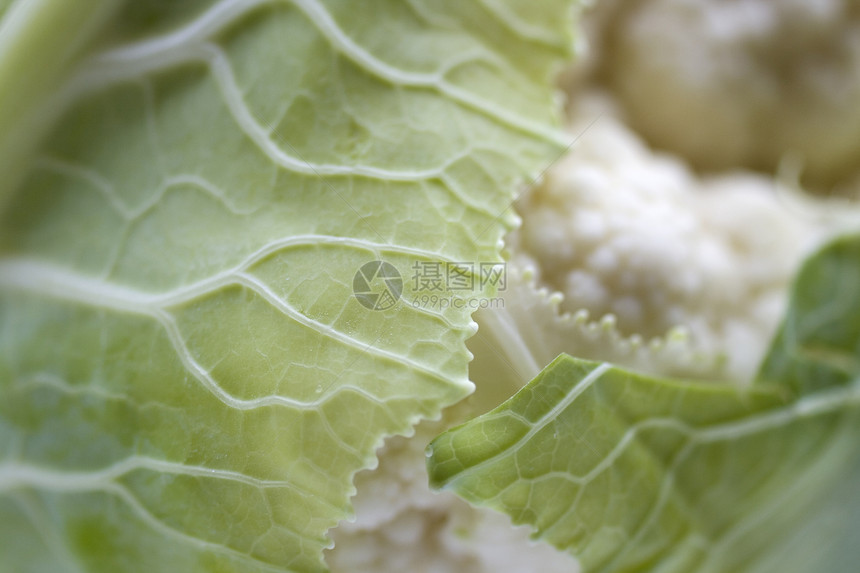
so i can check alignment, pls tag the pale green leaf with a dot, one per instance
(818, 345)
(632, 473)
(187, 382)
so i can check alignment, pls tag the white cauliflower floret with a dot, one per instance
(740, 83)
(621, 230)
(401, 525)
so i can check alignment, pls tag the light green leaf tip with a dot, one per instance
(818, 345)
(187, 382)
(632, 473)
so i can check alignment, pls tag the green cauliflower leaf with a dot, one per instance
(187, 381)
(635, 473)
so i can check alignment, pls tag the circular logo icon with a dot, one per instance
(377, 285)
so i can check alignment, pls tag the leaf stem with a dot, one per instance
(39, 40)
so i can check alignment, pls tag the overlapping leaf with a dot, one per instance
(632, 473)
(187, 382)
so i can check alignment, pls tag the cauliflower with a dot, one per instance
(629, 254)
(740, 84)
(212, 358)
(623, 230)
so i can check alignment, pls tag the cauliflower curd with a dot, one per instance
(744, 83)
(620, 229)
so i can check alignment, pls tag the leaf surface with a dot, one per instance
(188, 382)
(635, 473)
